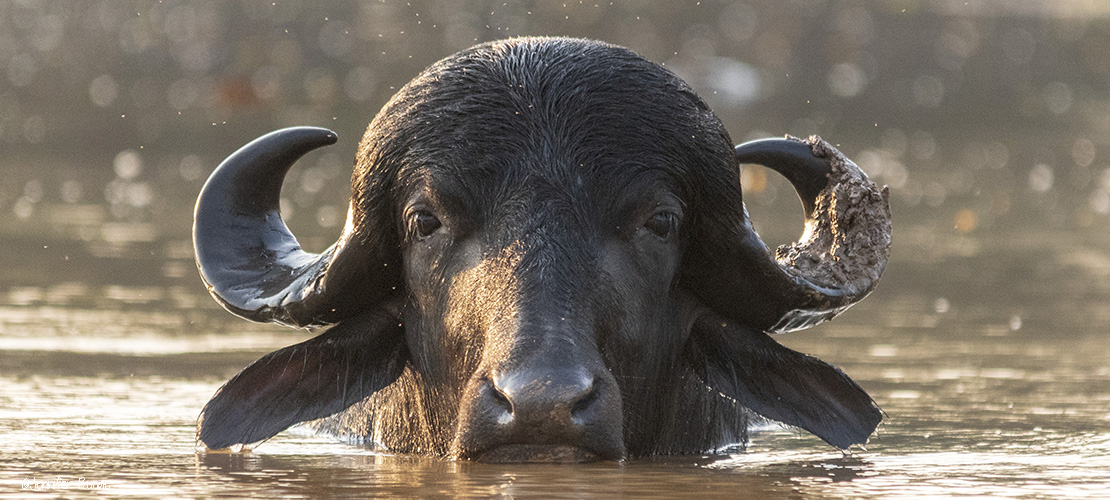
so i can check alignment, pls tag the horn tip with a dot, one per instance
(247, 257)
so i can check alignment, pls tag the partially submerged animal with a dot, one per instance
(546, 258)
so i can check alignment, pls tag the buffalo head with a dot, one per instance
(546, 257)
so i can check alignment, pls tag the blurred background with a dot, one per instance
(984, 342)
(981, 116)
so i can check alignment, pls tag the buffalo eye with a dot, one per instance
(424, 224)
(662, 223)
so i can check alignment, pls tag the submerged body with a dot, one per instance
(546, 258)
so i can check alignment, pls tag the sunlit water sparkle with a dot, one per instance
(974, 407)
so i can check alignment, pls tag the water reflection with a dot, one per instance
(408, 477)
(974, 404)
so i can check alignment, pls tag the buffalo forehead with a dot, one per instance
(529, 113)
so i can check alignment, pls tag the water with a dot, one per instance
(992, 385)
(985, 342)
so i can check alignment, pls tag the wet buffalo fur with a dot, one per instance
(536, 205)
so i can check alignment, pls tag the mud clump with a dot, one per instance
(847, 237)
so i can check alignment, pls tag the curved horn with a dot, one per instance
(251, 262)
(837, 261)
(793, 160)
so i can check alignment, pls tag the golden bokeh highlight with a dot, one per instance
(753, 179)
(966, 220)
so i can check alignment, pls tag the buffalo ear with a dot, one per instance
(782, 384)
(316, 378)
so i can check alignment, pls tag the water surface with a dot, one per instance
(994, 382)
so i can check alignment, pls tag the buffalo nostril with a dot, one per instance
(501, 405)
(501, 399)
(585, 401)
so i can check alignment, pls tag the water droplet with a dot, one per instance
(103, 90)
(894, 142)
(928, 91)
(182, 94)
(139, 194)
(191, 168)
(47, 33)
(922, 145)
(1100, 201)
(23, 208)
(941, 305)
(846, 80)
(360, 83)
(128, 164)
(320, 85)
(1058, 97)
(737, 22)
(266, 83)
(329, 216)
(32, 191)
(71, 191)
(934, 194)
(1083, 152)
(1041, 178)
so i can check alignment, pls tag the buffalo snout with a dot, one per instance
(541, 413)
(555, 400)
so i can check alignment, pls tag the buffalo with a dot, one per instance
(546, 257)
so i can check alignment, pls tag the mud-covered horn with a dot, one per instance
(251, 262)
(846, 243)
(836, 262)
